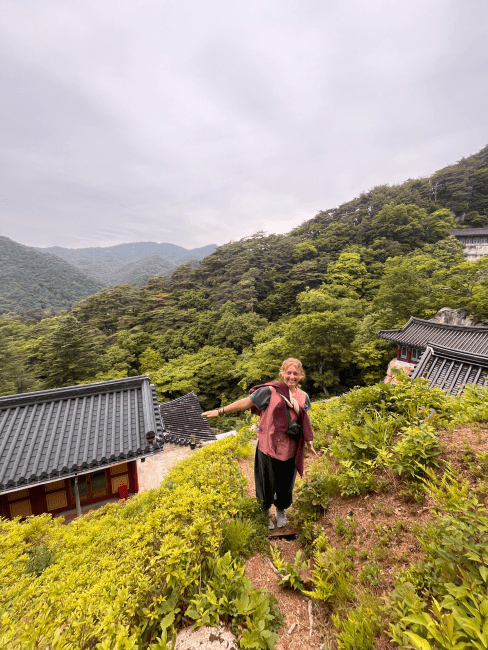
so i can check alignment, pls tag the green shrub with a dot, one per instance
(356, 478)
(472, 404)
(331, 573)
(345, 527)
(228, 594)
(365, 442)
(236, 535)
(312, 494)
(452, 578)
(463, 626)
(417, 449)
(289, 573)
(370, 574)
(122, 576)
(358, 630)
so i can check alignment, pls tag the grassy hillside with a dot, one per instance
(31, 281)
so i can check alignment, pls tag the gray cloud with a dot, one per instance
(196, 123)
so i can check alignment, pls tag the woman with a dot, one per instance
(278, 456)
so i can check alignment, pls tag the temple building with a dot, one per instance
(67, 447)
(449, 356)
(474, 240)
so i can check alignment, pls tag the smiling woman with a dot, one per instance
(278, 455)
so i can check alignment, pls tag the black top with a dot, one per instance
(260, 398)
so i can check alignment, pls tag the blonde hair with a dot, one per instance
(292, 362)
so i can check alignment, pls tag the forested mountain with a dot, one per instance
(129, 263)
(33, 282)
(319, 293)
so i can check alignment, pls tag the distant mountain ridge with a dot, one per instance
(34, 282)
(129, 263)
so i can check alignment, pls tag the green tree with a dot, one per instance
(237, 331)
(210, 373)
(348, 271)
(466, 285)
(322, 341)
(69, 355)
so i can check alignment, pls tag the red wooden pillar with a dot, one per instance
(136, 478)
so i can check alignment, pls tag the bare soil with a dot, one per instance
(384, 526)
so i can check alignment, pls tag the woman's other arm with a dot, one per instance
(241, 405)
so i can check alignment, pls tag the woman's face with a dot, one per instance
(291, 376)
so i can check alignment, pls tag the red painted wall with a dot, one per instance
(37, 495)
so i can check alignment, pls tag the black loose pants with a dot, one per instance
(274, 480)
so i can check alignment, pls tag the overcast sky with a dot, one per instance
(196, 122)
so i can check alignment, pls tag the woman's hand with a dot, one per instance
(295, 405)
(211, 414)
(309, 445)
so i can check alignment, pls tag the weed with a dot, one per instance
(370, 574)
(414, 492)
(356, 479)
(307, 536)
(289, 573)
(245, 450)
(383, 485)
(40, 557)
(312, 495)
(331, 575)
(357, 631)
(345, 528)
(384, 535)
(417, 449)
(236, 535)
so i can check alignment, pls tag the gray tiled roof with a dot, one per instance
(420, 333)
(451, 370)
(183, 417)
(469, 232)
(64, 431)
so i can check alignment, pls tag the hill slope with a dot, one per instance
(32, 281)
(126, 263)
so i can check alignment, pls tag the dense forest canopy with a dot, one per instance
(319, 293)
(41, 284)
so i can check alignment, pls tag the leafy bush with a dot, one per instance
(408, 402)
(122, 576)
(235, 537)
(366, 441)
(331, 573)
(473, 404)
(289, 573)
(415, 401)
(312, 494)
(356, 478)
(453, 576)
(417, 449)
(357, 631)
(228, 593)
(464, 625)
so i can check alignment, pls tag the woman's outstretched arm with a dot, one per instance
(241, 405)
